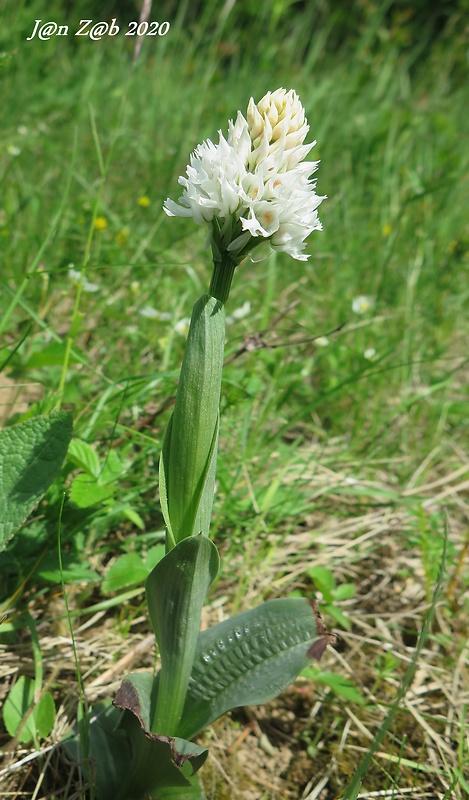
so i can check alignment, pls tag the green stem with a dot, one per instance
(223, 271)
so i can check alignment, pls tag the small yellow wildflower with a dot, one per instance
(135, 287)
(100, 223)
(386, 229)
(122, 237)
(144, 201)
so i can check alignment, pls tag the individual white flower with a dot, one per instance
(76, 277)
(88, 286)
(182, 326)
(74, 274)
(254, 185)
(239, 313)
(321, 341)
(242, 311)
(212, 186)
(370, 354)
(13, 150)
(362, 304)
(153, 313)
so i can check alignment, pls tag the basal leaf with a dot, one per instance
(86, 491)
(109, 765)
(250, 658)
(125, 570)
(163, 767)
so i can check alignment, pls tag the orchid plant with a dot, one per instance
(254, 192)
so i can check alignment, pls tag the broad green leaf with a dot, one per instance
(44, 714)
(176, 590)
(85, 491)
(131, 568)
(125, 570)
(31, 454)
(250, 658)
(98, 481)
(47, 355)
(114, 466)
(187, 466)
(324, 580)
(72, 570)
(193, 792)
(15, 708)
(22, 718)
(154, 555)
(82, 455)
(344, 592)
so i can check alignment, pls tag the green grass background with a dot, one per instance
(371, 425)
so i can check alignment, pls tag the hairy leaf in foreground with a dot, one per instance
(31, 454)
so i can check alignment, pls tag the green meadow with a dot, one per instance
(343, 464)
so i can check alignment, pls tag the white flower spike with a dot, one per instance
(254, 186)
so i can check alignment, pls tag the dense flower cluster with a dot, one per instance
(254, 186)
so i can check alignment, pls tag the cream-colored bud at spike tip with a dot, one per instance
(277, 122)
